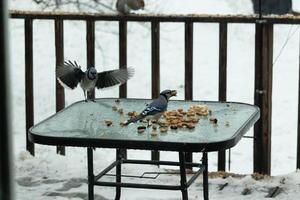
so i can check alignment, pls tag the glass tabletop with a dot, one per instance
(84, 124)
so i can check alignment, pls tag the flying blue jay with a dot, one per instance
(125, 6)
(155, 109)
(70, 74)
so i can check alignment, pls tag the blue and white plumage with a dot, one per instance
(155, 109)
(70, 74)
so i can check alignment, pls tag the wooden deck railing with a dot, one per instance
(263, 65)
(222, 80)
(59, 54)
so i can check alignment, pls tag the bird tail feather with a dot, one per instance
(134, 119)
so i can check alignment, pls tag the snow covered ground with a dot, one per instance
(50, 176)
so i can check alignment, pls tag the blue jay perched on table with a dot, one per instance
(125, 6)
(70, 74)
(155, 109)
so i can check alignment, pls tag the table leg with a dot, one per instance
(119, 155)
(90, 173)
(205, 176)
(124, 153)
(183, 183)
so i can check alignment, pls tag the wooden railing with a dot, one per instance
(263, 65)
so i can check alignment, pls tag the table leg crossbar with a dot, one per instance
(184, 184)
(148, 175)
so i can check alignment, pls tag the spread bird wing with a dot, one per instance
(113, 77)
(69, 74)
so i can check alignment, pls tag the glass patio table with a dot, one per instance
(83, 124)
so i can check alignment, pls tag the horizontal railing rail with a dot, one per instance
(254, 18)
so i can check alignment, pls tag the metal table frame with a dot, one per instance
(120, 145)
(93, 180)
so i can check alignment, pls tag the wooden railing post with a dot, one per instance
(123, 54)
(90, 48)
(263, 97)
(59, 54)
(155, 69)
(222, 82)
(188, 86)
(29, 82)
(123, 62)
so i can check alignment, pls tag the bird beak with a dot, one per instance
(173, 93)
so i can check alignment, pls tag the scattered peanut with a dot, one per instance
(114, 108)
(163, 129)
(213, 120)
(108, 122)
(154, 133)
(120, 110)
(141, 129)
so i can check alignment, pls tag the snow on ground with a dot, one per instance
(50, 176)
